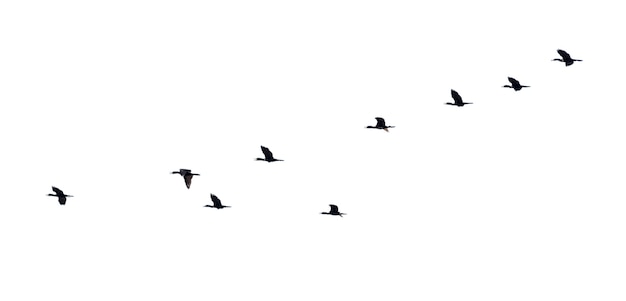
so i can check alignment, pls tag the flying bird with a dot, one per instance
(269, 157)
(59, 193)
(514, 84)
(380, 124)
(187, 175)
(566, 58)
(216, 203)
(334, 210)
(458, 101)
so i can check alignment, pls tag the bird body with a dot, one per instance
(59, 193)
(216, 203)
(380, 124)
(458, 101)
(269, 157)
(334, 210)
(515, 85)
(566, 58)
(187, 176)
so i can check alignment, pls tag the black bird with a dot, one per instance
(216, 203)
(187, 175)
(380, 124)
(458, 101)
(334, 211)
(514, 84)
(59, 193)
(269, 157)
(566, 58)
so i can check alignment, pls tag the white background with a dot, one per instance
(518, 196)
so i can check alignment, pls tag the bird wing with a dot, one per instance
(513, 81)
(62, 199)
(334, 209)
(184, 171)
(457, 98)
(216, 201)
(564, 55)
(380, 122)
(57, 191)
(268, 154)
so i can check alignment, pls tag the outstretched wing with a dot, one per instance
(513, 81)
(333, 209)
(216, 201)
(564, 55)
(457, 98)
(267, 153)
(57, 191)
(380, 122)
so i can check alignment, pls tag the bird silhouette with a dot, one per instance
(187, 175)
(216, 203)
(566, 58)
(334, 210)
(380, 124)
(514, 84)
(59, 193)
(458, 101)
(269, 157)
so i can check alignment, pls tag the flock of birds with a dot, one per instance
(380, 124)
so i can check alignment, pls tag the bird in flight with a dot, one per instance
(334, 210)
(269, 157)
(380, 124)
(514, 84)
(458, 101)
(216, 203)
(59, 193)
(566, 58)
(187, 175)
